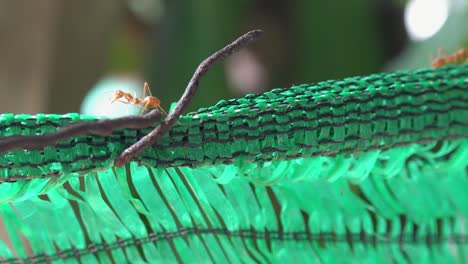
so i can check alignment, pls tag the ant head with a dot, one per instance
(117, 95)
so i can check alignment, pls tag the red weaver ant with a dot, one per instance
(147, 101)
(457, 57)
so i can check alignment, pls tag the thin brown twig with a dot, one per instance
(99, 127)
(186, 98)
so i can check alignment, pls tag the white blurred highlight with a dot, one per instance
(424, 18)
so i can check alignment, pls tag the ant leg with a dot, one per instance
(162, 110)
(118, 100)
(144, 108)
(144, 90)
(127, 103)
(146, 87)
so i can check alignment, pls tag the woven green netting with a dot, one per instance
(370, 169)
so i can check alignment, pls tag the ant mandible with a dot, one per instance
(457, 57)
(147, 101)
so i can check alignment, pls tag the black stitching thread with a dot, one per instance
(109, 128)
(228, 160)
(349, 83)
(77, 159)
(290, 131)
(310, 96)
(348, 139)
(102, 127)
(351, 138)
(53, 174)
(117, 137)
(328, 104)
(299, 236)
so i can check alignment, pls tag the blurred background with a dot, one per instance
(69, 56)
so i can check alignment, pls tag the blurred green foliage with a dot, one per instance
(336, 39)
(125, 57)
(188, 33)
(304, 41)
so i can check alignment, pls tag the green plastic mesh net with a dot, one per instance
(364, 169)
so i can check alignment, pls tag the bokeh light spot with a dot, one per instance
(424, 18)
